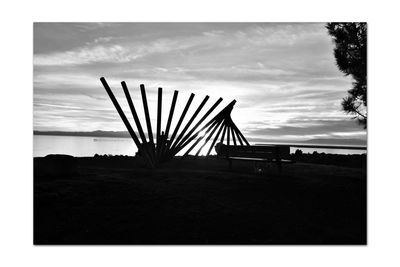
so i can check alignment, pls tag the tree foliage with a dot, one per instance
(351, 58)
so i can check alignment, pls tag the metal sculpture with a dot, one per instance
(165, 149)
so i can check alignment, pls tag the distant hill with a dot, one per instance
(337, 141)
(318, 141)
(92, 134)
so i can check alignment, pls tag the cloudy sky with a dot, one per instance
(283, 76)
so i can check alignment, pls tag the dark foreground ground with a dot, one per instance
(116, 200)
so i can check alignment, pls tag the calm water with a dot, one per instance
(83, 146)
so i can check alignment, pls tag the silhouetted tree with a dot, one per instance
(298, 153)
(351, 58)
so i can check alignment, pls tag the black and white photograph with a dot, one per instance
(200, 133)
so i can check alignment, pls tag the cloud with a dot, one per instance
(114, 53)
(214, 39)
(99, 53)
(280, 35)
(279, 73)
(85, 27)
(309, 127)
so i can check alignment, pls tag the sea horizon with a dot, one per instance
(88, 146)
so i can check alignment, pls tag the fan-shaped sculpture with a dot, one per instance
(166, 148)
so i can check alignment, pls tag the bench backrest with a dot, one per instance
(265, 152)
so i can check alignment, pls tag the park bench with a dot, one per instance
(260, 155)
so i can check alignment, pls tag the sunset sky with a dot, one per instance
(283, 76)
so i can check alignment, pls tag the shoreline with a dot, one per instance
(350, 160)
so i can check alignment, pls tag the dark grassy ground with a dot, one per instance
(116, 201)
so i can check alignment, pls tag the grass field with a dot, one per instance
(116, 200)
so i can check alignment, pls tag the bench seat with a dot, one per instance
(278, 154)
(261, 159)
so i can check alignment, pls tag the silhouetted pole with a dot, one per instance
(222, 114)
(146, 113)
(188, 138)
(159, 107)
(120, 112)
(170, 116)
(238, 137)
(223, 135)
(180, 120)
(124, 119)
(133, 111)
(228, 135)
(209, 137)
(200, 138)
(233, 137)
(241, 135)
(150, 146)
(171, 113)
(190, 122)
(216, 138)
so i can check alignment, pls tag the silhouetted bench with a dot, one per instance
(278, 154)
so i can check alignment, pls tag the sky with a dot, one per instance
(282, 75)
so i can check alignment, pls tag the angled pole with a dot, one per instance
(237, 134)
(228, 135)
(223, 134)
(190, 122)
(150, 145)
(133, 111)
(238, 137)
(159, 107)
(222, 114)
(233, 137)
(215, 139)
(189, 136)
(209, 137)
(171, 113)
(170, 116)
(146, 113)
(228, 139)
(120, 112)
(241, 135)
(180, 120)
(124, 119)
(200, 138)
